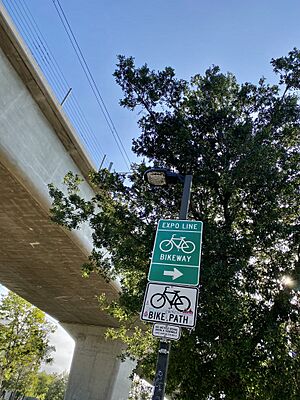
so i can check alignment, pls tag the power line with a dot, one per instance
(91, 80)
(44, 57)
(27, 34)
(76, 109)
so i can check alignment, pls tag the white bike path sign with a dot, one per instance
(173, 305)
(177, 252)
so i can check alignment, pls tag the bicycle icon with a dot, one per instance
(181, 303)
(180, 243)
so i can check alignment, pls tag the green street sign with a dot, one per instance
(177, 252)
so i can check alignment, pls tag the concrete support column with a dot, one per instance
(96, 372)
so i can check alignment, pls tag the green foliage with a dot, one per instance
(42, 383)
(57, 387)
(139, 390)
(50, 386)
(241, 143)
(24, 343)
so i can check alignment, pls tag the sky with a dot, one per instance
(189, 35)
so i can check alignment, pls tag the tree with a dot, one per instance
(24, 343)
(50, 386)
(58, 387)
(42, 384)
(241, 143)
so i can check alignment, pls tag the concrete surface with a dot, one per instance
(39, 260)
(96, 371)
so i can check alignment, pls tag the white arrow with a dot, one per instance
(175, 273)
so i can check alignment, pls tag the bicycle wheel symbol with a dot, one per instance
(166, 245)
(158, 300)
(182, 303)
(189, 247)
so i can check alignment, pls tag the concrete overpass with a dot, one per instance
(41, 261)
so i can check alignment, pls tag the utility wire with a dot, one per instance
(27, 34)
(63, 79)
(60, 79)
(91, 80)
(43, 55)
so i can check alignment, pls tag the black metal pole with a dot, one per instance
(164, 346)
(186, 195)
(161, 370)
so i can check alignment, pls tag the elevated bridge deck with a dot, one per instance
(39, 260)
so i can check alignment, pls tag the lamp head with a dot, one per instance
(162, 177)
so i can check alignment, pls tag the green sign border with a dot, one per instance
(154, 265)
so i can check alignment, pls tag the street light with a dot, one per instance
(164, 177)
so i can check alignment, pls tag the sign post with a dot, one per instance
(171, 296)
(164, 346)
